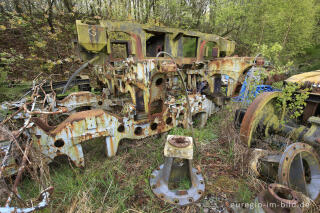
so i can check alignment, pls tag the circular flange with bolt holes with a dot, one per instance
(277, 198)
(178, 197)
(299, 169)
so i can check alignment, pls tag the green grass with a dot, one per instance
(244, 194)
(121, 183)
(203, 135)
(13, 92)
(105, 182)
(183, 183)
(228, 153)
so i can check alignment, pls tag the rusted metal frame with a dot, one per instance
(113, 137)
(68, 104)
(264, 112)
(79, 99)
(138, 31)
(111, 153)
(189, 118)
(63, 110)
(142, 83)
(234, 67)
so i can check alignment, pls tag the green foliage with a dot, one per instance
(6, 60)
(183, 183)
(3, 75)
(292, 100)
(310, 60)
(278, 85)
(189, 46)
(273, 54)
(290, 23)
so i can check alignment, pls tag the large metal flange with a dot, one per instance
(159, 185)
(299, 169)
(262, 109)
(178, 152)
(283, 194)
(277, 198)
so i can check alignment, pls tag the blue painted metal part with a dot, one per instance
(254, 92)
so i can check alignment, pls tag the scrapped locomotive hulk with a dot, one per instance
(143, 92)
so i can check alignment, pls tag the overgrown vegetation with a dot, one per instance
(121, 183)
(36, 37)
(292, 100)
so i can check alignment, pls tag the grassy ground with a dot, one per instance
(121, 183)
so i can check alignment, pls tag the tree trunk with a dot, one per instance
(100, 8)
(287, 32)
(2, 9)
(50, 15)
(17, 6)
(149, 7)
(87, 7)
(68, 5)
(30, 7)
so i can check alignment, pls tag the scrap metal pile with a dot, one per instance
(294, 160)
(150, 81)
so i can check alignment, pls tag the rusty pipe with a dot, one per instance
(77, 72)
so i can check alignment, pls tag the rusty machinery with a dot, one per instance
(299, 165)
(139, 94)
